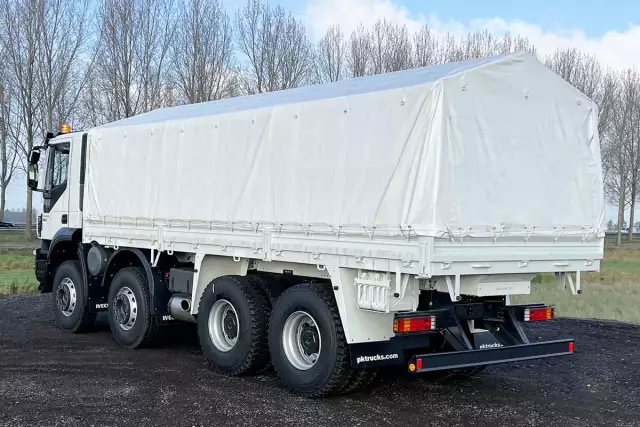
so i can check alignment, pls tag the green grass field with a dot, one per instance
(612, 293)
(16, 237)
(16, 273)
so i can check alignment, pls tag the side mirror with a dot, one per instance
(32, 175)
(34, 156)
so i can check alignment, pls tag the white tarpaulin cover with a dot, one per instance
(484, 143)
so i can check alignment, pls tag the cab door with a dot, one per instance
(55, 208)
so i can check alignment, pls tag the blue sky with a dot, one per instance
(605, 30)
(591, 16)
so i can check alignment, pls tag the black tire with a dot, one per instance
(331, 373)
(250, 353)
(81, 318)
(145, 328)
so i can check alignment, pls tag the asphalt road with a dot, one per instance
(49, 378)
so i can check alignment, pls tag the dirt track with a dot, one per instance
(48, 377)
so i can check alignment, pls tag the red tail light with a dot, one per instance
(414, 324)
(572, 346)
(545, 313)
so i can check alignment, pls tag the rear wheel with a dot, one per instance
(69, 300)
(307, 343)
(132, 324)
(232, 326)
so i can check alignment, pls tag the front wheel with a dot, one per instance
(307, 343)
(69, 300)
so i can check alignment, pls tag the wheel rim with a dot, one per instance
(125, 308)
(66, 297)
(224, 327)
(301, 340)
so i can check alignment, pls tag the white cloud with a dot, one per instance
(614, 49)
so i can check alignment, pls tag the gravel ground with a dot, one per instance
(48, 377)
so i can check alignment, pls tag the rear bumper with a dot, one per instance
(490, 356)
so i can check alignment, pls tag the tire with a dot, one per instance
(130, 286)
(237, 303)
(330, 373)
(70, 306)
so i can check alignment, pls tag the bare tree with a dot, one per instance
(203, 52)
(276, 48)
(479, 44)
(631, 94)
(618, 146)
(61, 72)
(330, 56)
(581, 70)
(391, 48)
(21, 39)
(131, 72)
(8, 149)
(450, 51)
(359, 52)
(425, 48)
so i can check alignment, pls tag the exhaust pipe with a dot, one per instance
(180, 308)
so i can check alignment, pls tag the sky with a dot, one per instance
(605, 30)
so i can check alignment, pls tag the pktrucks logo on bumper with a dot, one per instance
(494, 345)
(376, 358)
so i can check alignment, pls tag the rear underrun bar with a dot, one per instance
(491, 356)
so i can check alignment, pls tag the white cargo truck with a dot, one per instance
(333, 229)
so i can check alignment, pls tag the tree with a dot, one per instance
(21, 39)
(9, 159)
(61, 73)
(277, 53)
(132, 64)
(616, 164)
(631, 145)
(359, 52)
(330, 56)
(203, 52)
(425, 48)
(391, 48)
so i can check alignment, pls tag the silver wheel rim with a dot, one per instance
(125, 308)
(224, 326)
(301, 340)
(66, 297)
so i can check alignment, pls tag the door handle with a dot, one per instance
(64, 219)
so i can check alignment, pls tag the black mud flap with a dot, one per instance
(489, 356)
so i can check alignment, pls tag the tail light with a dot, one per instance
(414, 324)
(544, 313)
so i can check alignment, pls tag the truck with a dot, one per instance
(333, 230)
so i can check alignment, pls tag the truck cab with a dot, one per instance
(59, 162)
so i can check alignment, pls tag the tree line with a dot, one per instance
(94, 61)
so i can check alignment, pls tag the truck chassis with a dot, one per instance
(297, 317)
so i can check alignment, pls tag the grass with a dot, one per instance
(16, 237)
(16, 273)
(613, 293)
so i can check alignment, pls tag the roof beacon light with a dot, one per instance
(65, 128)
